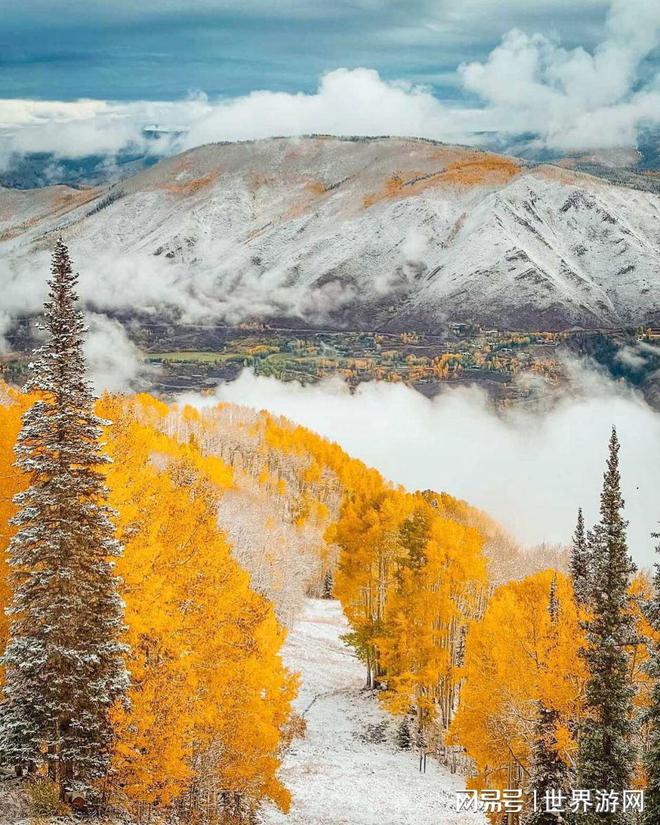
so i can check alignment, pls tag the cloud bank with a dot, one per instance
(114, 362)
(530, 470)
(228, 285)
(573, 98)
(570, 98)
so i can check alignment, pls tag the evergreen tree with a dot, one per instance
(64, 663)
(403, 735)
(328, 584)
(579, 564)
(548, 771)
(652, 756)
(606, 753)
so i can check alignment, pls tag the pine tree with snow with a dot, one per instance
(606, 753)
(64, 662)
(579, 563)
(652, 755)
(549, 774)
(328, 584)
(404, 735)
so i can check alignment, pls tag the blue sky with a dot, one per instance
(163, 49)
(577, 74)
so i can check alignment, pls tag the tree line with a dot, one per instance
(547, 684)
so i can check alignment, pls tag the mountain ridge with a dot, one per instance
(388, 233)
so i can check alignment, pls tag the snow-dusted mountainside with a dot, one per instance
(384, 232)
(338, 774)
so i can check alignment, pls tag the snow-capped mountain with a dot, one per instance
(373, 233)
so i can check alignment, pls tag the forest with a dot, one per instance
(154, 555)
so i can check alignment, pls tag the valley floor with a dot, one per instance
(338, 774)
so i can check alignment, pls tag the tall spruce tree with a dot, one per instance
(606, 753)
(652, 755)
(548, 772)
(64, 662)
(579, 564)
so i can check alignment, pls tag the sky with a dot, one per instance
(164, 49)
(577, 72)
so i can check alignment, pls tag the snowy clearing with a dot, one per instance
(337, 777)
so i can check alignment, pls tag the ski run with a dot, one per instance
(341, 773)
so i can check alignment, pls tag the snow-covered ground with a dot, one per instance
(336, 775)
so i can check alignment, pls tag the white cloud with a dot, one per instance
(114, 362)
(530, 470)
(233, 289)
(572, 97)
(82, 127)
(347, 102)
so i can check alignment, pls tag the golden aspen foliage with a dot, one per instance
(12, 406)
(438, 588)
(410, 580)
(210, 698)
(368, 533)
(641, 592)
(516, 657)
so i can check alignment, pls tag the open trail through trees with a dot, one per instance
(348, 770)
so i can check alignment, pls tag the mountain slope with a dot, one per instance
(365, 233)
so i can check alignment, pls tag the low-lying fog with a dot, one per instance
(529, 469)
